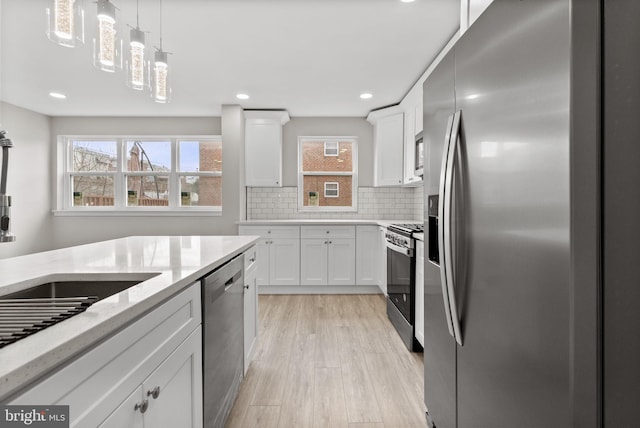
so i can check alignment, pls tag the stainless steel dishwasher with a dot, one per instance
(222, 347)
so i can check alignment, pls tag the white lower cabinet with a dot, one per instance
(250, 305)
(382, 259)
(162, 398)
(327, 255)
(419, 322)
(278, 254)
(367, 255)
(159, 355)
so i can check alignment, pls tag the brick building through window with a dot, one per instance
(327, 173)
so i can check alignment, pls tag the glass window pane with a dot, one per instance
(98, 156)
(148, 156)
(314, 190)
(92, 191)
(200, 191)
(148, 191)
(314, 159)
(198, 156)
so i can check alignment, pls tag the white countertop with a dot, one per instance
(303, 222)
(167, 264)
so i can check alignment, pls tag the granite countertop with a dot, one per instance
(165, 264)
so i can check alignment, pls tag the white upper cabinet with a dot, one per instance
(388, 135)
(412, 107)
(263, 148)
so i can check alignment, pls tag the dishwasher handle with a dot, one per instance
(235, 278)
(223, 279)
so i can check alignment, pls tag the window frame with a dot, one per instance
(337, 189)
(65, 176)
(354, 174)
(327, 143)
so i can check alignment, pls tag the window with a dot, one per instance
(327, 173)
(331, 148)
(331, 190)
(142, 174)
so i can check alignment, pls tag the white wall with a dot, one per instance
(77, 230)
(28, 181)
(326, 127)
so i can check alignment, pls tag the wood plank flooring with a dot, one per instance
(329, 361)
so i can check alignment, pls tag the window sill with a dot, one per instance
(137, 213)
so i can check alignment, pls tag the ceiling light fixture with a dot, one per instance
(107, 46)
(137, 65)
(407, 1)
(65, 22)
(242, 96)
(161, 87)
(57, 95)
(366, 95)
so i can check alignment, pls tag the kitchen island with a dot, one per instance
(165, 265)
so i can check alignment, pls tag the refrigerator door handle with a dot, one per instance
(442, 228)
(448, 221)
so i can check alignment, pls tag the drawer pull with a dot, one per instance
(155, 392)
(142, 406)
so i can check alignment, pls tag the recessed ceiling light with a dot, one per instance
(366, 95)
(407, 1)
(242, 96)
(57, 95)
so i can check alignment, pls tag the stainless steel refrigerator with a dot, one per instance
(515, 196)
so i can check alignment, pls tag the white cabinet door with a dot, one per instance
(419, 322)
(313, 261)
(284, 261)
(174, 389)
(262, 262)
(128, 414)
(341, 258)
(367, 259)
(263, 153)
(382, 260)
(389, 150)
(250, 316)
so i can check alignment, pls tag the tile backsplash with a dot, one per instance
(388, 203)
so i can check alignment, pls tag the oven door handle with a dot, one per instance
(406, 251)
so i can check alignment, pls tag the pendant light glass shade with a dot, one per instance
(161, 86)
(107, 46)
(137, 64)
(65, 22)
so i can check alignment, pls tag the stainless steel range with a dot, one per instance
(401, 280)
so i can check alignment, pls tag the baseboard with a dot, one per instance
(325, 289)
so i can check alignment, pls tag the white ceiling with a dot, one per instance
(310, 57)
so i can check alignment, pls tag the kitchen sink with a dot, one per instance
(28, 311)
(63, 289)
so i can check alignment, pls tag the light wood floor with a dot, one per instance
(329, 361)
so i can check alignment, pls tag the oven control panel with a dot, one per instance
(399, 240)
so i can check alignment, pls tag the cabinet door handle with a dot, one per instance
(155, 392)
(330, 242)
(246, 286)
(142, 406)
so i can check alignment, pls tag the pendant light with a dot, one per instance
(107, 46)
(161, 86)
(137, 64)
(65, 22)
